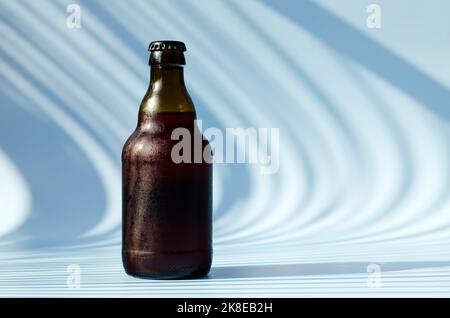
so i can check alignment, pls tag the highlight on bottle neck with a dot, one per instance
(167, 53)
(167, 75)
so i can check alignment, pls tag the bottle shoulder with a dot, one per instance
(142, 145)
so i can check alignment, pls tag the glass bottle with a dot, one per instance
(167, 204)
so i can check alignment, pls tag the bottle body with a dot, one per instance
(167, 206)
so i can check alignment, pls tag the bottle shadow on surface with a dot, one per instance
(312, 269)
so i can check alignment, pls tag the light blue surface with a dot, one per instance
(364, 143)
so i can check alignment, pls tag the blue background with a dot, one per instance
(364, 143)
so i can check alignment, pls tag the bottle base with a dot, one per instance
(153, 265)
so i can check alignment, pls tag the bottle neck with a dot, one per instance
(167, 78)
(166, 92)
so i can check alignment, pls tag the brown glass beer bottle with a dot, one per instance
(167, 204)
